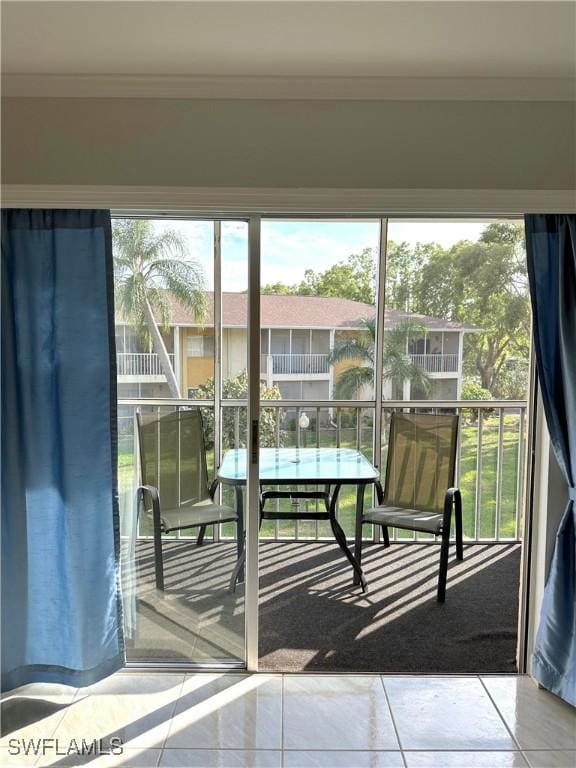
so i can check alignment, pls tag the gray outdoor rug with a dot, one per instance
(313, 619)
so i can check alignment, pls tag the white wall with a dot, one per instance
(289, 143)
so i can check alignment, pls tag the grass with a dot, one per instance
(481, 521)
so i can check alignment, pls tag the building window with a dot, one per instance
(200, 346)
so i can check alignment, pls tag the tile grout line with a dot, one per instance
(393, 719)
(59, 723)
(169, 729)
(500, 715)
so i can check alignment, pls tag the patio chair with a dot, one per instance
(174, 489)
(419, 492)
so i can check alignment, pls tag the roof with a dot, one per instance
(278, 311)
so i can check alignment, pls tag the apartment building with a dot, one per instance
(298, 334)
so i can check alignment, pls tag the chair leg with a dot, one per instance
(443, 565)
(458, 521)
(158, 561)
(385, 536)
(201, 534)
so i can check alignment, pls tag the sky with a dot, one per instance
(290, 247)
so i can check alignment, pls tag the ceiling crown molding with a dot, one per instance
(272, 87)
(309, 201)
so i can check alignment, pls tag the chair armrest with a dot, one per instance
(152, 491)
(379, 491)
(213, 487)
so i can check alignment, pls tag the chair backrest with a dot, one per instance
(173, 456)
(421, 460)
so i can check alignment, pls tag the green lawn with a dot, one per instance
(485, 520)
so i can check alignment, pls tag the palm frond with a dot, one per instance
(160, 304)
(154, 266)
(356, 348)
(351, 380)
(165, 245)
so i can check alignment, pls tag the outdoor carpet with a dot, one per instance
(313, 619)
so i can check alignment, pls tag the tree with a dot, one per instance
(150, 267)
(354, 278)
(481, 284)
(237, 389)
(398, 365)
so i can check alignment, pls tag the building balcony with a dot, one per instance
(140, 367)
(307, 364)
(436, 363)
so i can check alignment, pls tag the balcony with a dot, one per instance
(303, 573)
(308, 364)
(489, 467)
(316, 364)
(140, 366)
(436, 363)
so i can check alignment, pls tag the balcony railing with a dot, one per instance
(436, 363)
(140, 364)
(489, 470)
(295, 364)
(316, 363)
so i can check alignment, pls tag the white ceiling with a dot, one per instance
(291, 39)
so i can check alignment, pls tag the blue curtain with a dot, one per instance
(61, 608)
(551, 251)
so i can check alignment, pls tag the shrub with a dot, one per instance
(237, 389)
(472, 390)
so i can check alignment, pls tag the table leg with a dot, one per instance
(340, 537)
(238, 572)
(358, 532)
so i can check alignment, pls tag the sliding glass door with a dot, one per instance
(182, 353)
(304, 334)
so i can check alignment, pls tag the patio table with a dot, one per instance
(328, 467)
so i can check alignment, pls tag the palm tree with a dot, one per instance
(150, 267)
(398, 365)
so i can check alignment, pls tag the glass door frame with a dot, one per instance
(252, 511)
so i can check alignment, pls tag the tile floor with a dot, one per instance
(296, 721)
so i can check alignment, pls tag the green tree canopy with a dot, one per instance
(481, 284)
(354, 278)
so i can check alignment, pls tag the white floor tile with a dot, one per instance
(15, 758)
(134, 708)
(537, 718)
(130, 758)
(228, 712)
(337, 712)
(482, 759)
(220, 758)
(46, 691)
(33, 711)
(342, 759)
(446, 713)
(554, 758)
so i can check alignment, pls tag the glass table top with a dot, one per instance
(301, 465)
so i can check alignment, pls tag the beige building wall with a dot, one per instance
(234, 352)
